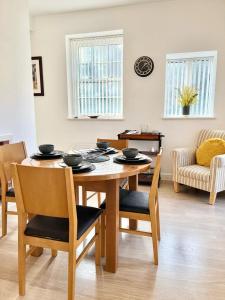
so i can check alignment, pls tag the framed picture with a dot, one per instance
(37, 76)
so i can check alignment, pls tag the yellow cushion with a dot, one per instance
(208, 149)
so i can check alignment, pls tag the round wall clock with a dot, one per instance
(143, 66)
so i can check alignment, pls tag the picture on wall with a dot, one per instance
(37, 76)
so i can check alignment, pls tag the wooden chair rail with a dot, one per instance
(10, 212)
(10, 199)
(86, 248)
(137, 232)
(135, 216)
(44, 243)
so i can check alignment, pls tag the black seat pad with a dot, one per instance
(10, 192)
(58, 228)
(132, 201)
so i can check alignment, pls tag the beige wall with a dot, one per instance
(149, 29)
(16, 96)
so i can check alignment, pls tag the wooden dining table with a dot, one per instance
(105, 178)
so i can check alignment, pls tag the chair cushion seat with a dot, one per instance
(54, 228)
(10, 193)
(195, 172)
(132, 201)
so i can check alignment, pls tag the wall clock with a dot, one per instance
(143, 66)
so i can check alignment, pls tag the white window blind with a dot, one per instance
(95, 74)
(197, 70)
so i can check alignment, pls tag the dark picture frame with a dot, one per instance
(37, 75)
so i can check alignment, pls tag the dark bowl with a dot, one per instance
(130, 152)
(46, 148)
(72, 159)
(103, 145)
(93, 117)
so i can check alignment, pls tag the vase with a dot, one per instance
(186, 110)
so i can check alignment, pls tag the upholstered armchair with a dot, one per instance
(186, 171)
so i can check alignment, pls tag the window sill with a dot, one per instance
(188, 117)
(95, 119)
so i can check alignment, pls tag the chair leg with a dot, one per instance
(98, 243)
(176, 186)
(54, 252)
(4, 217)
(71, 273)
(212, 198)
(99, 199)
(22, 267)
(154, 239)
(103, 226)
(158, 223)
(84, 197)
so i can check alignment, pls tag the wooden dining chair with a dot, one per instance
(139, 206)
(47, 196)
(9, 153)
(119, 145)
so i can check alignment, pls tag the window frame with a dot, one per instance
(193, 55)
(69, 70)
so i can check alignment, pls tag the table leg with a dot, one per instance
(112, 225)
(133, 185)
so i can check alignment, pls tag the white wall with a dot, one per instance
(16, 96)
(149, 29)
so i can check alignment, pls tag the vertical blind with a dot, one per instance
(97, 76)
(193, 70)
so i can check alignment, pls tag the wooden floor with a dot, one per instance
(191, 259)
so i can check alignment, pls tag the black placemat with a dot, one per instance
(98, 159)
(53, 155)
(143, 161)
(109, 151)
(81, 168)
(88, 169)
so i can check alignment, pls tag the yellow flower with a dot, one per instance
(187, 96)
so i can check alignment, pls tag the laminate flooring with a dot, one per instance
(191, 258)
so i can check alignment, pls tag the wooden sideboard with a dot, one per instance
(146, 177)
(4, 142)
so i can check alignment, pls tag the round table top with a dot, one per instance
(104, 170)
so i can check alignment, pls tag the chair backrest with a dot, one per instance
(44, 191)
(10, 153)
(153, 195)
(209, 134)
(117, 144)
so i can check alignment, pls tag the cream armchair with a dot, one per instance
(186, 171)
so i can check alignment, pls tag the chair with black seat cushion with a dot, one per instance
(47, 196)
(119, 145)
(9, 153)
(139, 206)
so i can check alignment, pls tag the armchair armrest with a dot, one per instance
(182, 157)
(217, 173)
(218, 161)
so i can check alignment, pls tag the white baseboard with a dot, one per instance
(166, 176)
(6, 137)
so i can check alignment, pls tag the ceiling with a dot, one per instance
(43, 7)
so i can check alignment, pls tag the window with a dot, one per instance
(197, 70)
(95, 74)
